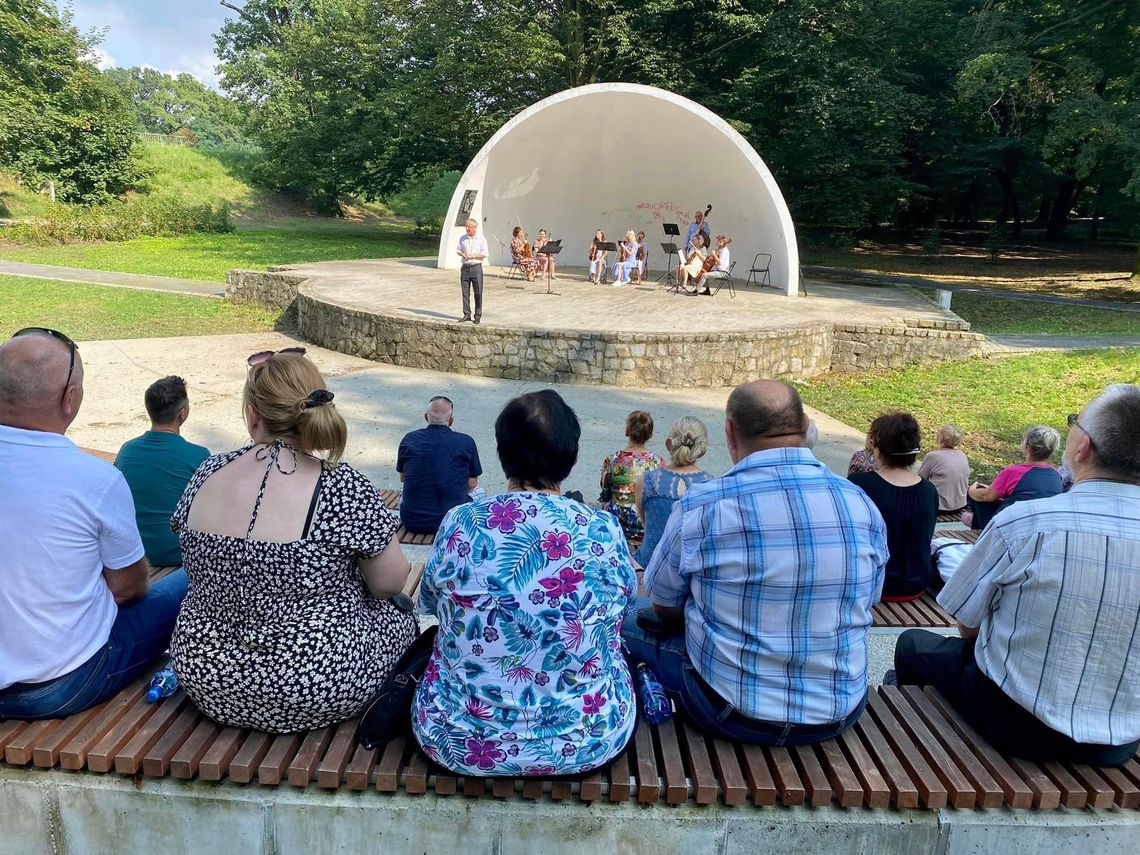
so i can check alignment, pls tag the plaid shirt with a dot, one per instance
(1054, 587)
(777, 565)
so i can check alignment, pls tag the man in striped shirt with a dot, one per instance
(1048, 604)
(774, 567)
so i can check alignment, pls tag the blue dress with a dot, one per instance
(660, 490)
(623, 268)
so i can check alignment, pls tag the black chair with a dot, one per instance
(515, 268)
(756, 268)
(722, 277)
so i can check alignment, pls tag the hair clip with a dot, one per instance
(317, 398)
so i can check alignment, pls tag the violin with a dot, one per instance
(526, 247)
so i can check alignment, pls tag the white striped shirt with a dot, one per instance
(1054, 587)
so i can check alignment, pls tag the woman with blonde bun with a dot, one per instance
(658, 489)
(289, 623)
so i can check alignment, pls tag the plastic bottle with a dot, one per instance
(656, 703)
(163, 684)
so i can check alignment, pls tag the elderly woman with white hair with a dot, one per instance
(1034, 478)
(658, 489)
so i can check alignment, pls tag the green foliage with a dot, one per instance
(932, 243)
(995, 242)
(59, 120)
(194, 176)
(120, 221)
(425, 198)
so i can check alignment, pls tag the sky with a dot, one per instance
(172, 36)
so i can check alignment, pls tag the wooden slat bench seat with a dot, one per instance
(392, 501)
(910, 749)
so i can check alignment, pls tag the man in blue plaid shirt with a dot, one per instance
(774, 568)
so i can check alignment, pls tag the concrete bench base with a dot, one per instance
(57, 812)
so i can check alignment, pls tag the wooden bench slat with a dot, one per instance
(1073, 793)
(620, 789)
(128, 759)
(817, 787)
(876, 792)
(391, 765)
(330, 771)
(308, 756)
(1127, 794)
(473, 786)
(247, 762)
(844, 782)
(45, 753)
(18, 750)
(645, 766)
(281, 751)
(560, 791)
(590, 788)
(1100, 794)
(358, 772)
(930, 787)
(758, 775)
(672, 764)
(884, 616)
(789, 786)
(902, 614)
(184, 763)
(1046, 794)
(1016, 792)
(446, 784)
(74, 754)
(961, 791)
(415, 575)
(156, 761)
(101, 758)
(699, 765)
(502, 788)
(732, 787)
(416, 774)
(532, 788)
(216, 761)
(903, 789)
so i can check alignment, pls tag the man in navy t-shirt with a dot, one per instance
(439, 468)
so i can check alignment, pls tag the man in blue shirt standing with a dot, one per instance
(438, 466)
(773, 568)
(158, 465)
(699, 226)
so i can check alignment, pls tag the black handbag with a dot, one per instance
(389, 713)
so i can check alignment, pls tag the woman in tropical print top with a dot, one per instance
(527, 676)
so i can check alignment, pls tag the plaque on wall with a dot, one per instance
(465, 207)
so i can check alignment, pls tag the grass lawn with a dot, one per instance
(992, 400)
(94, 312)
(992, 315)
(207, 257)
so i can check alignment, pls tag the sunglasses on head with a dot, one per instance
(71, 345)
(441, 398)
(262, 355)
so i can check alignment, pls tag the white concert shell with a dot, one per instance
(621, 156)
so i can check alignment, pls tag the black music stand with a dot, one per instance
(670, 249)
(606, 246)
(551, 248)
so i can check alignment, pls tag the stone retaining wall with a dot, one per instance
(620, 359)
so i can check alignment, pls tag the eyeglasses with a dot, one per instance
(262, 355)
(71, 345)
(1072, 420)
(441, 398)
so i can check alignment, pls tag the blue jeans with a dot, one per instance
(667, 657)
(141, 633)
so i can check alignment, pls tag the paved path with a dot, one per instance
(108, 277)
(1011, 343)
(857, 276)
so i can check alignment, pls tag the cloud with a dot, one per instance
(101, 58)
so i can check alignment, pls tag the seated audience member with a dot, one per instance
(530, 588)
(78, 621)
(288, 624)
(908, 503)
(1047, 603)
(948, 469)
(734, 558)
(620, 472)
(863, 461)
(439, 468)
(657, 489)
(1036, 478)
(158, 465)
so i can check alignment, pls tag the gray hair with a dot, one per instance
(439, 411)
(688, 441)
(1041, 441)
(1113, 422)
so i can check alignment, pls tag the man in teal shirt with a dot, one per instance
(158, 465)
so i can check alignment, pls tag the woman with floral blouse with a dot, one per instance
(530, 588)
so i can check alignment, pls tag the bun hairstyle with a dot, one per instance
(688, 441)
(898, 438)
(639, 426)
(288, 393)
(1041, 441)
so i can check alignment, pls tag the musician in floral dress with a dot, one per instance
(520, 254)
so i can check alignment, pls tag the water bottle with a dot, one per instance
(163, 684)
(656, 703)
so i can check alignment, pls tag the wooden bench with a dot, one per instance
(909, 750)
(392, 501)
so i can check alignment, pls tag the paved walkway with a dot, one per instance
(1018, 343)
(108, 277)
(857, 276)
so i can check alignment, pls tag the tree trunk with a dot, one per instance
(1009, 207)
(1043, 211)
(1062, 204)
(1136, 264)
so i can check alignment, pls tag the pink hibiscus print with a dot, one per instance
(538, 770)
(484, 754)
(590, 667)
(463, 600)
(556, 545)
(566, 582)
(505, 515)
(592, 704)
(478, 709)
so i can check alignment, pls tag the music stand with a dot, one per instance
(550, 248)
(606, 246)
(670, 249)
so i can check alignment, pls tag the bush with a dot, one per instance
(995, 242)
(932, 245)
(144, 217)
(425, 198)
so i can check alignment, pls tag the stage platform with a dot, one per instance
(404, 311)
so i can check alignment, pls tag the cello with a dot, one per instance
(711, 260)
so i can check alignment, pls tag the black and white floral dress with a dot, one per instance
(285, 636)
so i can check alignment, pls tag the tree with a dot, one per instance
(59, 120)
